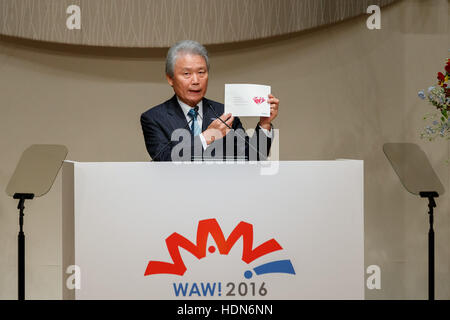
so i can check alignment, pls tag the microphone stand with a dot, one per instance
(243, 138)
(261, 156)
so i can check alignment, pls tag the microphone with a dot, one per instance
(168, 143)
(243, 138)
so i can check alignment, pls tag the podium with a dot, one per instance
(213, 230)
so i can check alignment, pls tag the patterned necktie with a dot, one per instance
(195, 128)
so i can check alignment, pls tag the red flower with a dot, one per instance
(441, 77)
(447, 68)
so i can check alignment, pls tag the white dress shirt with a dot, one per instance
(185, 107)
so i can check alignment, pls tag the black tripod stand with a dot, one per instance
(34, 176)
(431, 204)
(21, 243)
(416, 174)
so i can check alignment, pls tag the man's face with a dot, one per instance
(190, 78)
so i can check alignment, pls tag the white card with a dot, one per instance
(247, 100)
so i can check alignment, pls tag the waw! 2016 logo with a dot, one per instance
(211, 227)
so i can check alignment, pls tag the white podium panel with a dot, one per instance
(213, 230)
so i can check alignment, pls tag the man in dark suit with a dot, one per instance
(189, 126)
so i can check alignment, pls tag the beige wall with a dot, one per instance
(344, 91)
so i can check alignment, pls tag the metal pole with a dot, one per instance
(21, 254)
(431, 204)
(431, 257)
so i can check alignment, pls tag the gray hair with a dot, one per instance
(184, 46)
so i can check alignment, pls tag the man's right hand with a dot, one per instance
(217, 129)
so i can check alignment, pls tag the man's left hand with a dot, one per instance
(264, 122)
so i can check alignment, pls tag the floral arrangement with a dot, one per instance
(438, 96)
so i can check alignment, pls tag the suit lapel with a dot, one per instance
(175, 114)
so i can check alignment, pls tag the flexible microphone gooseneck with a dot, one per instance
(243, 138)
(168, 143)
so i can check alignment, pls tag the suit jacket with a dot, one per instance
(160, 122)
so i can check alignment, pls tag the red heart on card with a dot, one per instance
(258, 100)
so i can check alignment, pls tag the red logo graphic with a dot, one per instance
(259, 100)
(210, 227)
